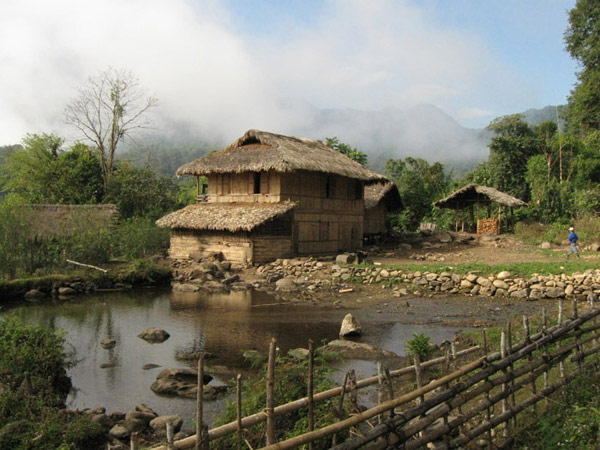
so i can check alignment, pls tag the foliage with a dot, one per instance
(139, 237)
(33, 367)
(43, 172)
(420, 345)
(572, 420)
(290, 384)
(108, 108)
(187, 190)
(350, 152)
(419, 184)
(140, 192)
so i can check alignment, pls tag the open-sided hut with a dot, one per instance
(473, 197)
(381, 199)
(272, 196)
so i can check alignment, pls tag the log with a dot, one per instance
(89, 266)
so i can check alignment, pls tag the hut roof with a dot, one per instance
(388, 192)
(475, 192)
(261, 151)
(224, 216)
(60, 220)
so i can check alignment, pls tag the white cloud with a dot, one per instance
(203, 69)
(474, 113)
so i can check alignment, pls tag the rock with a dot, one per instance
(135, 425)
(555, 292)
(150, 366)
(431, 276)
(466, 284)
(66, 291)
(546, 245)
(119, 432)
(160, 423)
(183, 375)
(144, 416)
(521, 293)
(298, 353)
(500, 284)
(444, 238)
(350, 326)
(472, 278)
(346, 258)
(108, 343)
(181, 382)
(145, 409)
(503, 275)
(186, 287)
(595, 247)
(210, 267)
(384, 273)
(481, 281)
(285, 284)
(569, 289)
(34, 294)
(103, 420)
(154, 335)
(358, 350)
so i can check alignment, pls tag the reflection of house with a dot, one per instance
(380, 200)
(272, 196)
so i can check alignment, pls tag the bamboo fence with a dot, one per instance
(476, 402)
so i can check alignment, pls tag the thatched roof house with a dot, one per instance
(380, 200)
(475, 195)
(272, 196)
(60, 220)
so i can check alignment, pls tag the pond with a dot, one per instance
(222, 324)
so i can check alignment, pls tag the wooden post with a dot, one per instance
(505, 407)
(462, 216)
(509, 351)
(561, 365)
(271, 394)
(133, 442)
(170, 445)
(311, 403)
(577, 335)
(484, 344)
(512, 218)
(499, 218)
(418, 380)
(239, 410)
(199, 399)
(456, 228)
(205, 445)
(530, 357)
(546, 353)
(472, 214)
(380, 394)
(353, 390)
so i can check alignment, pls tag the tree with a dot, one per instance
(43, 172)
(350, 152)
(109, 107)
(582, 39)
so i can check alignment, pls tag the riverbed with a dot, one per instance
(223, 325)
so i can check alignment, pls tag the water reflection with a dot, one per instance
(222, 324)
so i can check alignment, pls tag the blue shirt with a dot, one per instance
(573, 238)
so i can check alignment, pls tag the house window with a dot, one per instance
(256, 182)
(330, 187)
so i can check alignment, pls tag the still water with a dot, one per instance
(222, 324)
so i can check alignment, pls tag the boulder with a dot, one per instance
(34, 294)
(285, 284)
(466, 284)
(134, 425)
(119, 432)
(546, 245)
(66, 291)
(160, 422)
(444, 238)
(103, 420)
(555, 292)
(503, 275)
(481, 281)
(358, 350)
(180, 382)
(501, 284)
(520, 293)
(154, 335)
(350, 326)
(346, 258)
(108, 343)
(595, 247)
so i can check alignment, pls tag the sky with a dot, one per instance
(226, 66)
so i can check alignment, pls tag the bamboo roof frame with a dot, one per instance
(475, 193)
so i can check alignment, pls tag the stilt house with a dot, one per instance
(272, 196)
(381, 199)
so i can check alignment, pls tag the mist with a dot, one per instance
(219, 76)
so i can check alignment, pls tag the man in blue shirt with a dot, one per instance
(573, 238)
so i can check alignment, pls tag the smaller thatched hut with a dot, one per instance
(474, 196)
(381, 199)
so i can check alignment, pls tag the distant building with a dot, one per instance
(381, 199)
(272, 196)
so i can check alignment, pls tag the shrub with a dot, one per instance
(139, 237)
(420, 345)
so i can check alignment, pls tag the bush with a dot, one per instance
(420, 345)
(139, 237)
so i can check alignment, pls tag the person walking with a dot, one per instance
(573, 239)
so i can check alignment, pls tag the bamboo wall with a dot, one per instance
(239, 187)
(375, 220)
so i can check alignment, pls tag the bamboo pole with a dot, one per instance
(418, 380)
(239, 410)
(199, 400)
(170, 436)
(134, 442)
(311, 403)
(561, 366)
(270, 394)
(505, 431)
(529, 357)
(380, 393)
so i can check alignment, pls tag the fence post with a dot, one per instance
(311, 404)
(488, 411)
(418, 380)
(380, 394)
(340, 408)
(133, 441)
(577, 337)
(170, 436)
(530, 358)
(513, 401)
(546, 353)
(199, 399)
(484, 344)
(505, 407)
(270, 393)
(561, 365)
(239, 410)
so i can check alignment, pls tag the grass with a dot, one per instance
(525, 269)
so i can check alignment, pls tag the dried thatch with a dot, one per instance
(472, 193)
(262, 151)
(60, 220)
(388, 192)
(224, 216)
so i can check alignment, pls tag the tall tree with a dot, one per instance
(350, 152)
(109, 107)
(582, 39)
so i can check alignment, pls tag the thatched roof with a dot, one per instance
(258, 151)
(224, 216)
(472, 193)
(388, 192)
(60, 220)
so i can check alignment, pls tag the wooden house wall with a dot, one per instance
(375, 220)
(239, 187)
(322, 224)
